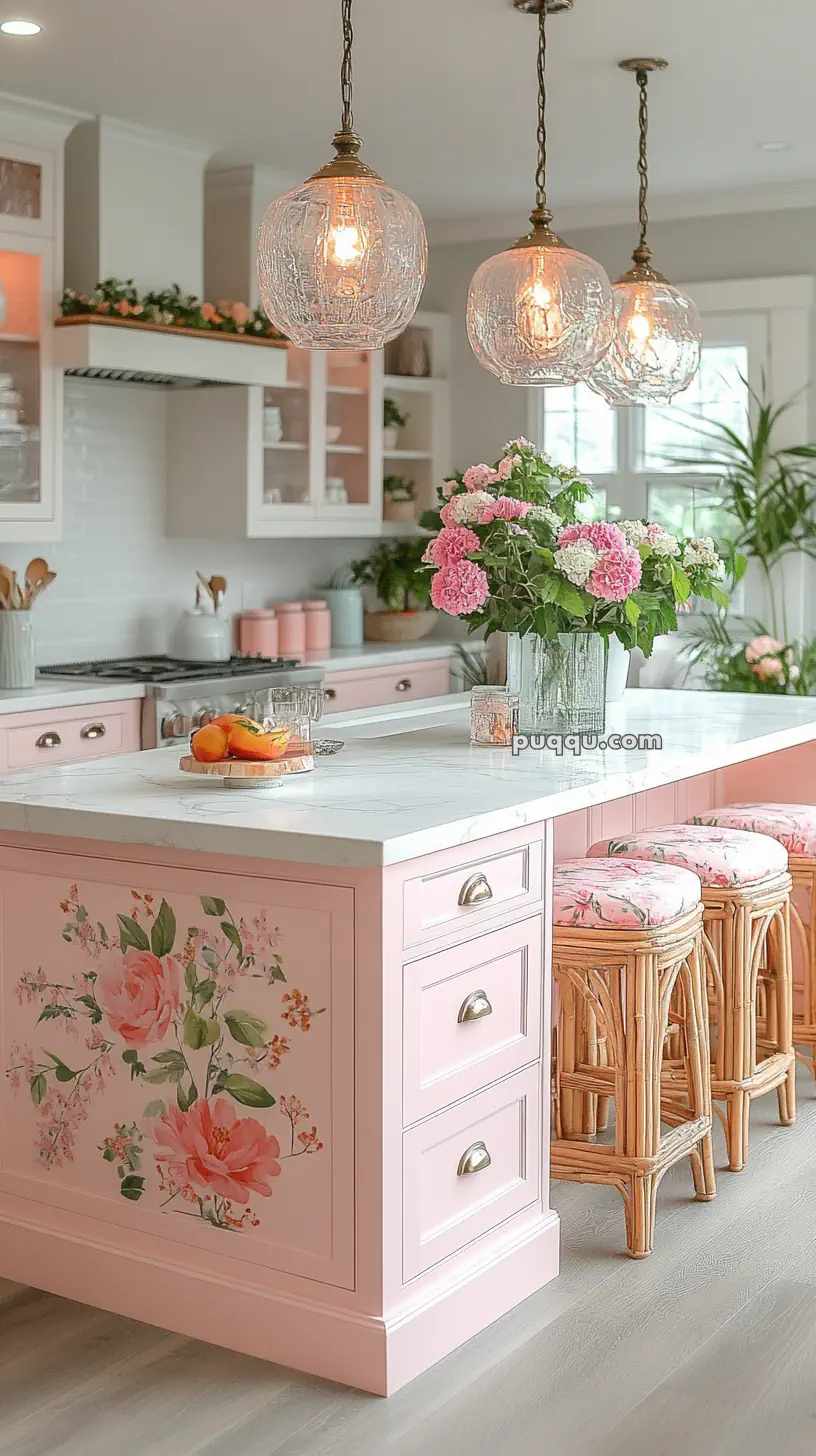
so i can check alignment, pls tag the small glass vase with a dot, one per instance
(560, 683)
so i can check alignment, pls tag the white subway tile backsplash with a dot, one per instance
(121, 582)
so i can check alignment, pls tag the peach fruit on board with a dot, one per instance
(249, 741)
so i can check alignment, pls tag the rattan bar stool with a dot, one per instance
(794, 826)
(746, 899)
(626, 936)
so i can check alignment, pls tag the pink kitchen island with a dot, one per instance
(276, 1063)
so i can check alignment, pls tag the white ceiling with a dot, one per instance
(445, 89)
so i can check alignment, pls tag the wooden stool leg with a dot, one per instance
(783, 985)
(569, 1100)
(698, 1070)
(738, 1032)
(641, 1131)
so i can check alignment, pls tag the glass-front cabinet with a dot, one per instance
(30, 387)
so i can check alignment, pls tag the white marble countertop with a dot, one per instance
(49, 692)
(391, 798)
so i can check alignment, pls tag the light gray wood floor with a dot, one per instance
(706, 1349)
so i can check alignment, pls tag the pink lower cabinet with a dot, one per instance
(237, 1105)
(68, 735)
(372, 687)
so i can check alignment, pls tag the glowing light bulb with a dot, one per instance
(345, 245)
(639, 330)
(540, 321)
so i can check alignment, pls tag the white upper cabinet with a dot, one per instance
(32, 141)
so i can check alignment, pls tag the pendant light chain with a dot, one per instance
(643, 157)
(346, 79)
(541, 171)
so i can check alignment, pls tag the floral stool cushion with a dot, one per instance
(722, 858)
(621, 894)
(793, 825)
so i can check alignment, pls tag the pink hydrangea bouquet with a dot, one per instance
(510, 555)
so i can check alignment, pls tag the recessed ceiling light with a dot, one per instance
(20, 27)
(774, 146)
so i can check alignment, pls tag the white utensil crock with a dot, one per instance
(17, 666)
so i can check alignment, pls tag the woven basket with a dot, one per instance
(398, 626)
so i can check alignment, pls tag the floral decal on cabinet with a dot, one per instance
(163, 1009)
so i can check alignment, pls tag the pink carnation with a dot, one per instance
(460, 588)
(505, 469)
(476, 477)
(452, 544)
(616, 574)
(761, 647)
(505, 508)
(603, 535)
(448, 488)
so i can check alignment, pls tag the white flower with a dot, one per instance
(702, 551)
(546, 514)
(666, 545)
(463, 510)
(634, 531)
(576, 561)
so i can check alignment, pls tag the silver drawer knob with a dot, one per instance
(474, 1007)
(404, 685)
(475, 890)
(330, 694)
(92, 730)
(473, 1160)
(49, 740)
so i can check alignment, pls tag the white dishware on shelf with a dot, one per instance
(333, 433)
(272, 424)
(336, 493)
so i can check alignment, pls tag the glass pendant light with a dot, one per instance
(342, 258)
(540, 312)
(656, 346)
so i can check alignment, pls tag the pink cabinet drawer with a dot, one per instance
(68, 735)
(435, 904)
(469, 1169)
(373, 686)
(471, 1015)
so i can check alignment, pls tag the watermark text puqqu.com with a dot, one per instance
(578, 743)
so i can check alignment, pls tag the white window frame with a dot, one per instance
(783, 306)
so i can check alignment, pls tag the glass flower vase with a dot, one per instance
(560, 683)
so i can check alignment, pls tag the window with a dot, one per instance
(580, 429)
(717, 395)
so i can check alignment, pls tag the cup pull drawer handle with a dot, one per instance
(49, 740)
(475, 890)
(473, 1160)
(330, 694)
(404, 685)
(474, 1007)
(92, 730)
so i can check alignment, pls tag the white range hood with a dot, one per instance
(134, 209)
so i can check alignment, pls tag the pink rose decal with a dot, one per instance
(460, 588)
(217, 1151)
(140, 997)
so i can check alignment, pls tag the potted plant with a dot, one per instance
(401, 582)
(400, 495)
(511, 556)
(393, 421)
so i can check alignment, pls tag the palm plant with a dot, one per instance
(769, 491)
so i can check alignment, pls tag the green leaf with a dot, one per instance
(680, 583)
(94, 1008)
(571, 600)
(184, 1099)
(163, 932)
(37, 1087)
(246, 1028)
(62, 1072)
(131, 935)
(191, 976)
(108, 1156)
(132, 1187)
(200, 1031)
(245, 1091)
(205, 990)
(171, 1058)
(211, 906)
(232, 935)
(130, 1056)
(210, 958)
(631, 610)
(160, 1076)
(52, 1012)
(155, 1109)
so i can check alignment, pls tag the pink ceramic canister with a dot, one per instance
(291, 628)
(318, 626)
(258, 633)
